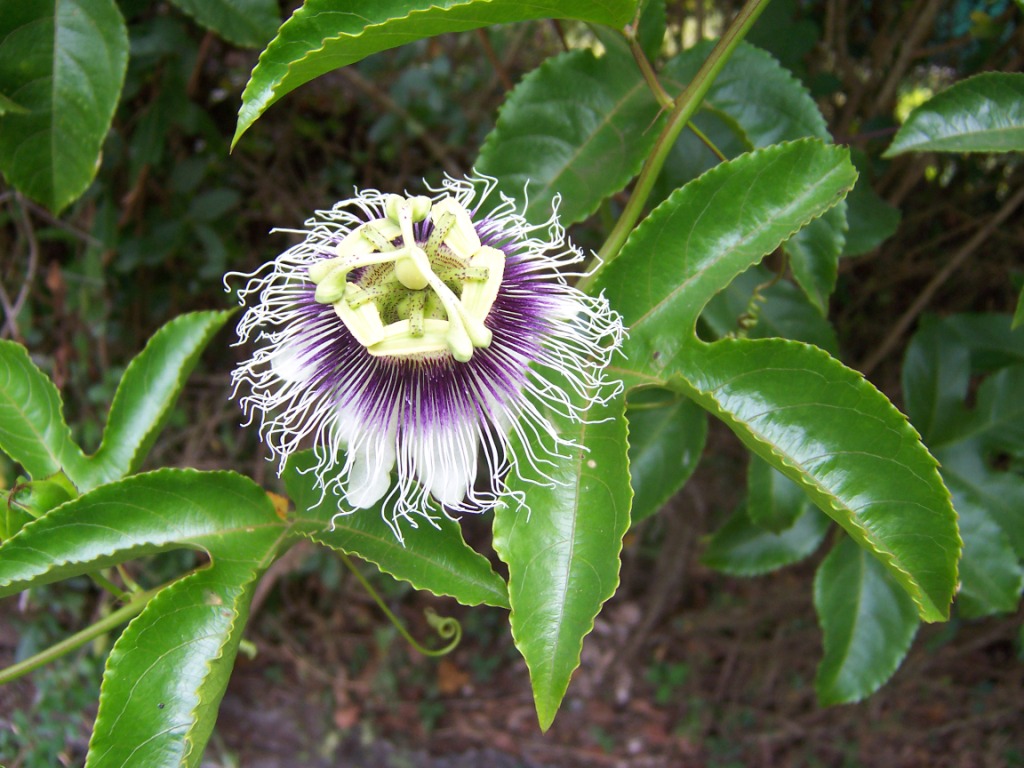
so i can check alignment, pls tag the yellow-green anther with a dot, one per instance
(418, 207)
(442, 226)
(376, 238)
(331, 287)
(462, 238)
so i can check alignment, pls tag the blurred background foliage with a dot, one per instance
(171, 210)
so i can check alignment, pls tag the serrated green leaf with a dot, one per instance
(130, 518)
(774, 502)
(762, 97)
(846, 445)
(867, 623)
(741, 548)
(769, 105)
(168, 671)
(147, 392)
(817, 421)
(436, 559)
(578, 126)
(32, 427)
(814, 255)
(327, 34)
(666, 440)
(984, 113)
(992, 342)
(785, 312)
(64, 62)
(248, 23)
(696, 242)
(562, 550)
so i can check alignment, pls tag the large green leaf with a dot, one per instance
(742, 548)
(696, 242)
(562, 548)
(666, 440)
(168, 671)
(147, 513)
(249, 23)
(435, 559)
(63, 62)
(807, 415)
(327, 34)
(984, 113)
(867, 623)
(578, 126)
(769, 105)
(828, 429)
(147, 393)
(32, 427)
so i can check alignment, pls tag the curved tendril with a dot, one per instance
(445, 626)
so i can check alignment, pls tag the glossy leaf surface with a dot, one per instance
(168, 671)
(867, 623)
(562, 551)
(63, 63)
(768, 105)
(847, 446)
(802, 411)
(984, 113)
(666, 440)
(578, 126)
(708, 232)
(147, 392)
(32, 427)
(249, 23)
(742, 548)
(327, 34)
(435, 559)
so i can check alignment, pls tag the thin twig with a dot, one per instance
(499, 68)
(929, 291)
(13, 309)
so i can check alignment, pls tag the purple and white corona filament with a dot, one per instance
(415, 336)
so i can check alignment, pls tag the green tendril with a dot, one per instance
(445, 626)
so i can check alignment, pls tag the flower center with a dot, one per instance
(408, 298)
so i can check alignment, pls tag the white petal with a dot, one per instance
(370, 464)
(287, 366)
(445, 461)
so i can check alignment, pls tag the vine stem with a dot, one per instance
(685, 105)
(101, 627)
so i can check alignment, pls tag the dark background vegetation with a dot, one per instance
(685, 667)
